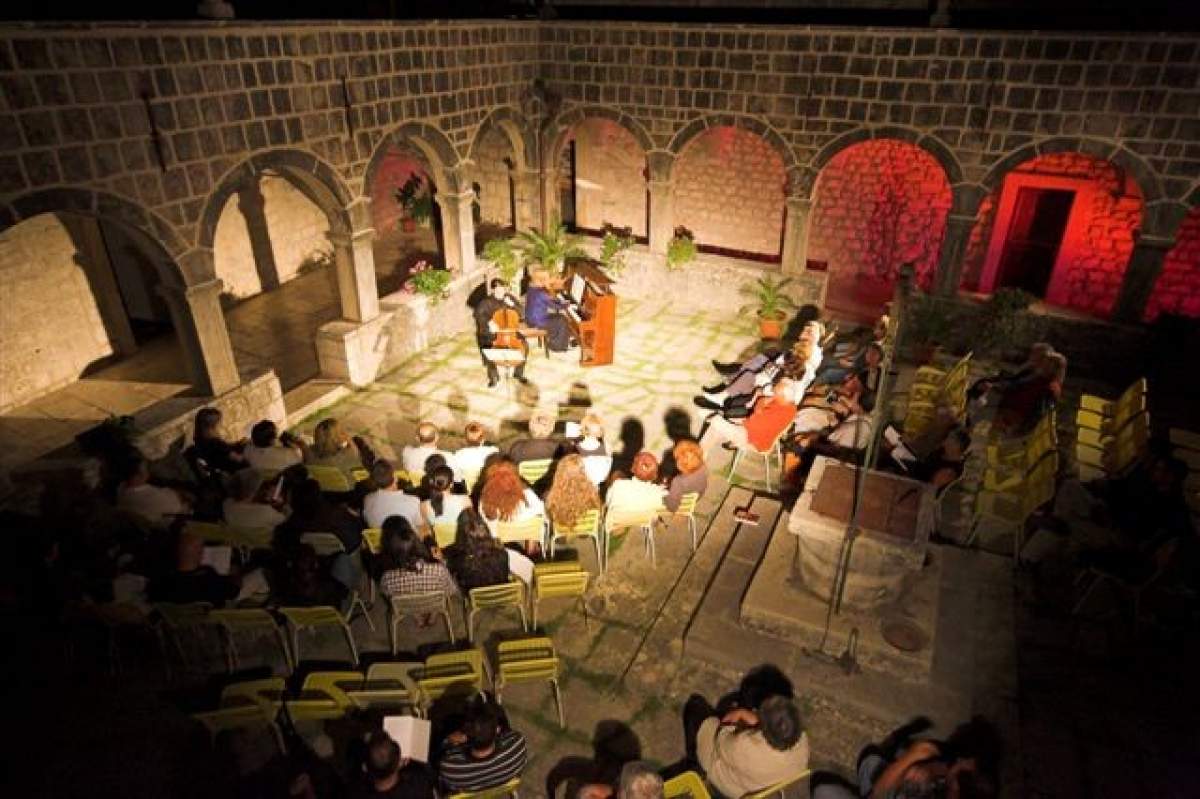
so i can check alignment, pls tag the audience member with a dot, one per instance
(413, 458)
(540, 444)
(639, 780)
(639, 492)
(191, 580)
(484, 754)
(312, 513)
(407, 565)
(469, 460)
(157, 505)
(476, 559)
(388, 498)
(245, 506)
(332, 446)
(692, 477)
(847, 401)
(299, 581)
(572, 493)
(387, 774)
(443, 506)
(505, 498)
(268, 451)
(768, 419)
(591, 437)
(1023, 400)
(217, 453)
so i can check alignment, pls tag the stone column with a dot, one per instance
(662, 215)
(200, 324)
(549, 194)
(795, 235)
(93, 259)
(458, 231)
(252, 204)
(354, 260)
(950, 256)
(527, 188)
(1145, 265)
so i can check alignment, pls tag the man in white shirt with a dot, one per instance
(387, 499)
(413, 458)
(158, 506)
(269, 452)
(242, 508)
(469, 459)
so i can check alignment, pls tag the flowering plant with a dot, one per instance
(428, 281)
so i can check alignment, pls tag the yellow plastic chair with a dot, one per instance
(688, 785)
(444, 533)
(642, 519)
(331, 479)
(174, 622)
(687, 510)
(240, 717)
(532, 471)
(1013, 510)
(553, 580)
(1105, 407)
(1160, 561)
(449, 671)
(778, 789)
(491, 597)
(324, 544)
(470, 478)
(298, 619)
(268, 693)
(248, 620)
(372, 539)
(323, 695)
(387, 686)
(1116, 453)
(416, 605)
(508, 789)
(211, 532)
(526, 660)
(531, 529)
(587, 525)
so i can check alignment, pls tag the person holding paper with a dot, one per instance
(389, 774)
(192, 581)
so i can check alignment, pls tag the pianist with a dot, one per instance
(544, 311)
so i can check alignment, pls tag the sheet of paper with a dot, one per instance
(218, 557)
(891, 436)
(412, 734)
(903, 456)
(520, 566)
(571, 430)
(254, 586)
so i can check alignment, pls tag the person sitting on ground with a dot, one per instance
(506, 498)
(853, 358)
(191, 580)
(247, 505)
(210, 447)
(332, 446)
(413, 457)
(407, 564)
(768, 419)
(692, 477)
(157, 505)
(572, 493)
(1024, 400)
(269, 451)
(485, 753)
(388, 498)
(469, 459)
(639, 492)
(746, 750)
(387, 774)
(540, 444)
(759, 370)
(476, 559)
(443, 505)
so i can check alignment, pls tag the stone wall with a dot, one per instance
(610, 179)
(729, 187)
(879, 204)
(491, 173)
(296, 227)
(1178, 288)
(50, 325)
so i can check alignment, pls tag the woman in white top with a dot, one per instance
(640, 492)
(443, 506)
(506, 498)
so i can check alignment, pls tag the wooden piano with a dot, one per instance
(595, 305)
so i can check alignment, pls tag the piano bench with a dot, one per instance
(536, 334)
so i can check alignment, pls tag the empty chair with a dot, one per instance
(492, 597)
(526, 660)
(299, 619)
(324, 695)
(267, 692)
(554, 580)
(388, 686)
(418, 605)
(446, 672)
(245, 621)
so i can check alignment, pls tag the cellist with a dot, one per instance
(489, 335)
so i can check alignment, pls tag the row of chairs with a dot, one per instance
(933, 388)
(1112, 435)
(690, 785)
(1010, 460)
(1011, 508)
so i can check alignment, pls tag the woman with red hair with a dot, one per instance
(639, 492)
(506, 498)
(692, 477)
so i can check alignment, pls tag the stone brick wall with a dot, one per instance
(296, 227)
(610, 181)
(50, 325)
(1178, 288)
(491, 173)
(879, 204)
(729, 188)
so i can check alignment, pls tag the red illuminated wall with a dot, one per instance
(879, 205)
(1098, 240)
(1178, 288)
(393, 171)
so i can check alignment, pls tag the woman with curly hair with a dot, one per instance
(692, 476)
(476, 559)
(572, 492)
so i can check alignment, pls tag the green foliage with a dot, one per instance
(550, 248)
(503, 254)
(414, 198)
(929, 320)
(428, 282)
(317, 259)
(422, 209)
(612, 250)
(681, 249)
(768, 298)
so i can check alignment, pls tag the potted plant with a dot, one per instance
(422, 209)
(681, 249)
(502, 253)
(428, 281)
(407, 196)
(770, 303)
(612, 249)
(550, 248)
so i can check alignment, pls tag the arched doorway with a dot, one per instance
(406, 217)
(879, 204)
(1177, 290)
(729, 188)
(1062, 227)
(492, 179)
(601, 168)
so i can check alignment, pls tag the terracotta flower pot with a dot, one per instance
(771, 327)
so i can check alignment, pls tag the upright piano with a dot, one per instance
(593, 315)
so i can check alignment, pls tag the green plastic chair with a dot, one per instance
(552, 580)
(331, 479)
(688, 785)
(298, 619)
(526, 660)
(531, 529)
(239, 717)
(415, 605)
(449, 670)
(267, 693)
(508, 789)
(779, 788)
(532, 471)
(686, 509)
(323, 696)
(245, 620)
(587, 525)
(444, 533)
(388, 686)
(491, 597)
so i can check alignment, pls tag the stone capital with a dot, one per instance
(453, 202)
(960, 220)
(355, 238)
(192, 293)
(1148, 242)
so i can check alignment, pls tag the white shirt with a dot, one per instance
(156, 505)
(412, 459)
(452, 505)
(271, 459)
(631, 494)
(382, 503)
(530, 507)
(251, 514)
(470, 459)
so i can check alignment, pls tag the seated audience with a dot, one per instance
(312, 513)
(484, 754)
(387, 774)
(246, 505)
(639, 492)
(476, 559)
(854, 357)
(692, 476)
(413, 458)
(572, 493)
(469, 460)
(443, 505)
(768, 419)
(760, 370)
(388, 498)
(1001, 380)
(208, 445)
(407, 564)
(540, 444)
(332, 446)
(746, 750)
(591, 437)
(847, 401)
(191, 580)
(270, 452)
(506, 498)
(157, 505)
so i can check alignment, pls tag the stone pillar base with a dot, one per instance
(353, 351)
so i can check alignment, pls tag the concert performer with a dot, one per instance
(489, 335)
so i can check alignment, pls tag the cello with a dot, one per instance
(507, 322)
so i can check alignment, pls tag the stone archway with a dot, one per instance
(1177, 287)
(504, 163)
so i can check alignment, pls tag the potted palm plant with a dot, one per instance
(770, 303)
(502, 253)
(550, 248)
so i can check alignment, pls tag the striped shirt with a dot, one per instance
(462, 771)
(428, 577)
